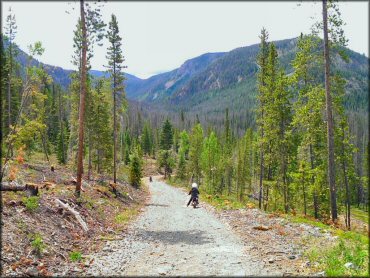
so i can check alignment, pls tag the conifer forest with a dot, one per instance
(96, 165)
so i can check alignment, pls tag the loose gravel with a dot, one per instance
(172, 239)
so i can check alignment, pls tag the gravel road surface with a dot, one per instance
(171, 239)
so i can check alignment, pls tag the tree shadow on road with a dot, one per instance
(176, 237)
(156, 205)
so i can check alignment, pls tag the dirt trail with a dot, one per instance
(172, 239)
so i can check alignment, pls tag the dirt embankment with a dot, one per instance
(39, 237)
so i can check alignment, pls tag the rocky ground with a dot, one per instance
(274, 241)
(172, 239)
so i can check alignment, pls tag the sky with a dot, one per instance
(160, 36)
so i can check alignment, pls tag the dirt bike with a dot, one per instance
(195, 202)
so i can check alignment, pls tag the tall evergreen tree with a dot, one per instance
(329, 117)
(135, 169)
(195, 151)
(90, 28)
(262, 63)
(115, 60)
(147, 139)
(166, 139)
(307, 119)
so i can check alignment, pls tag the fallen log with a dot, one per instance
(75, 213)
(31, 188)
(12, 188)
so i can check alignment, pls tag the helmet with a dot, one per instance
(194, 185)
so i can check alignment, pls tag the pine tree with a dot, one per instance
(166, 139)
(262, 63)
(345, 150)
(99, 125)
(135, 169)
(62, 138)
(115, 60)
(166, 160)
(248, 158)
(227, 151)
(147, 139)
(195, 150)
(329, 118)
(184, 143)
(240, 176)
(83, 73)
(210, 157)
(181, 166)
(334, 39)
(307, 119)
(90, 28)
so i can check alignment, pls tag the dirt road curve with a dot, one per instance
(172, 239)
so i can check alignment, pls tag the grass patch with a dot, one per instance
(123, 172)
(306, 220)
(31, 203)
(125, 216)
(351, 247)
(75, 256)
(360, 214)
(223, 202)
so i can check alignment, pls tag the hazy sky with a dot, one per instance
(160, 36)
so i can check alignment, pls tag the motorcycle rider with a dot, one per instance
(194, 192)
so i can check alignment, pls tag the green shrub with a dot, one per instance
(75, 256)
(31, 203)
(121, 218)
(37, 244)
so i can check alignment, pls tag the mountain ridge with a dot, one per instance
(210, 73)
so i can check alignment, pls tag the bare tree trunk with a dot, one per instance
(81, 113)
(330, 123)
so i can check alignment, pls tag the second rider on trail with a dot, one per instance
(194, 192)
